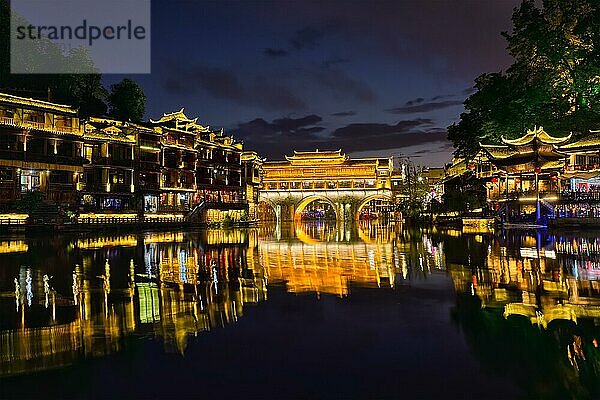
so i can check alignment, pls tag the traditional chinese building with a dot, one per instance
(523, 179)
(328, 183)
(580, 196)
(108, 182)
(171, 166)
(251, 177)
(178, 160)
(41, 148)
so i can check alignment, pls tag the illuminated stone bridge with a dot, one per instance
(327, 177)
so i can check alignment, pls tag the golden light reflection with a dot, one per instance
(13, 246)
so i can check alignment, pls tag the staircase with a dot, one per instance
(195, 213)
(548, 205)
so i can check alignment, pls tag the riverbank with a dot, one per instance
(114, 225)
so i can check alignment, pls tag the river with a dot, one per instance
(314, 310)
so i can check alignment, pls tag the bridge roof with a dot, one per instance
(320, 157)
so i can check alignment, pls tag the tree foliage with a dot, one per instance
(30, 201)
(554, 80)
(84, 91)
(127, 101)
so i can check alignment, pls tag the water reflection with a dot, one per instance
(535, 297)
(78, 297)
(528, 303)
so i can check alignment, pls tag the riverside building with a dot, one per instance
(539, 178)
(172, 166)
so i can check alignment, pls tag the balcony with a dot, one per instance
(150, 166)
(53, 159)
(584, 167)
(580, 196)
(109, 161)
(38, 125)
(173, 208)
(178, 186)
(120, 188)
(17, 155)
(149, 185)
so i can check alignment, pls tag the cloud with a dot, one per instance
(418, 100)
(344, 114)
(341, 85)
(335, 61)
(281, 136)
(310, 36)
(379, 136)
(276, 52)
(469, 90)
(223, 83)
(259, 130)
(424, 106)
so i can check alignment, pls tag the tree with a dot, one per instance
(553, 82)
(30, 201)
(127, 101)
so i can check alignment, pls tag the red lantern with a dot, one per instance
(494, 180)
(538, 170)
(471, 167)
(554, 177)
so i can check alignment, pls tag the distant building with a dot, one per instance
(328, 184)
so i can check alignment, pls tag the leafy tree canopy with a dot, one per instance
(84, 91)
(127, 101)
(553, 82)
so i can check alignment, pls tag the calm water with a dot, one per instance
(310, 311)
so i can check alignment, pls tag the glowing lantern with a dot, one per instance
(538, 170)
(554, 177)
(471, 167)
(494, 180)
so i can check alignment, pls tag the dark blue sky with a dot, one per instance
(368, 77)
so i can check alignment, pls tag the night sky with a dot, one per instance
(371, 78)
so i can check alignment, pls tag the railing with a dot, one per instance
(109, 161)
(53, 159)
(12, 221)
(173, 208)
(175, 186)
(584, 167)
(106, 220)
(149, 185)
(38, 125)
(150, 165)
(120, 188)
(580, 196)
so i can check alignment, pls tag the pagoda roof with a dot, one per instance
(591, 140)
(499, 152)
(317, 157)
(536, 134)
(179, 121)
(108, 130)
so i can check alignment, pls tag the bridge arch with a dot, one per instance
(367, 200)
(307, 200)
(267, 210)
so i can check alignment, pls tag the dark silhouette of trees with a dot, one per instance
(84, 91)
(127, 101)
(553, 82)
